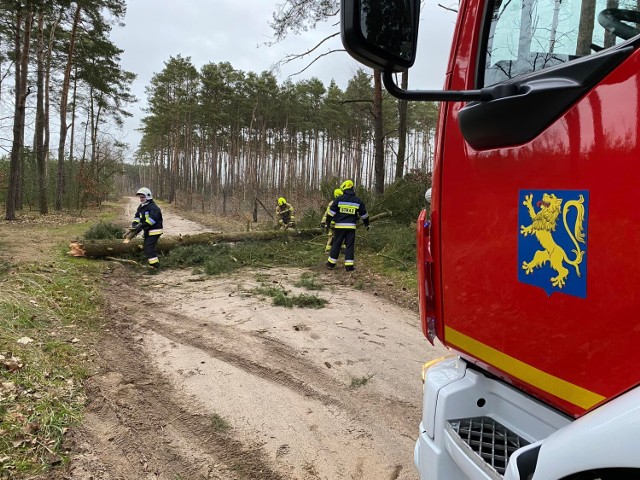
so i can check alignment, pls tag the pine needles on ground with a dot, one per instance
(225, 258)
(309, 281)
(283, 298)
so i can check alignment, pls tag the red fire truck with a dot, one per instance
(528, 263)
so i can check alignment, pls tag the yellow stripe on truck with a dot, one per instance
(569, 392)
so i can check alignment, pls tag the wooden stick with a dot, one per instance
(123, 260)
(265, 208)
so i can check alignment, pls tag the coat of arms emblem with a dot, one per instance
(549, 257)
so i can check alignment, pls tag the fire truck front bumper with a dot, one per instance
(473, 426)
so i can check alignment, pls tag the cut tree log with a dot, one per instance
(104, 248)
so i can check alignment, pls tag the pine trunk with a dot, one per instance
(21, 48)
(105, 248)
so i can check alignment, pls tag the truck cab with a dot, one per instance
(527, 262)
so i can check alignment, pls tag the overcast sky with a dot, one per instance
(236, 31)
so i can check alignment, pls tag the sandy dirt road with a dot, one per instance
(202, 378)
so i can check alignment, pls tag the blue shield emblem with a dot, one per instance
(552, 240)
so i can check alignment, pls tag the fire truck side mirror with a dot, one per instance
(382, 34)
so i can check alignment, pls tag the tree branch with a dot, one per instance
(316, 59)
(300, 16)
(448, 8)
(291, 57)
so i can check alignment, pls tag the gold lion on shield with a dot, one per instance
(543, 224)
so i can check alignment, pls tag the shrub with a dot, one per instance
(405, 197)
(104, 231)
(310, 219)
(396, 241)
(328, 186)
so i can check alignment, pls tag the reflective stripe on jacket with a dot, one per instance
(346, 209)
(148, 217)
(332, 224)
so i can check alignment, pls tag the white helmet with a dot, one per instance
(427, 196)
(146, 192)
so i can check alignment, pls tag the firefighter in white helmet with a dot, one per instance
(148, 219)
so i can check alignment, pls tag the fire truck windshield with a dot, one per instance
(530, 35)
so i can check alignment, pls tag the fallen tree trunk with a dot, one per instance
(104, 248)
(378, 216)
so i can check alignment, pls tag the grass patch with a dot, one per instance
(49, 312)
(309, 281)
(262, 278)
(4, 267)
(219, 424)
(269, 291)
(52, 309)
(360, 382)
(309, 301)
(301, 301)
(283, 298)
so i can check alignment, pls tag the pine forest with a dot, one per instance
(213, 138)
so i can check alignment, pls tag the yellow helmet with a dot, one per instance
(282, 201)
(337, 192)
(346, 184)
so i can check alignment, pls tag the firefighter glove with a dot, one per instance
(133, 232)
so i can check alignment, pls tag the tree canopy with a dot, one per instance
(226, 129)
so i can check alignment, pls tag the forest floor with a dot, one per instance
(199, 377)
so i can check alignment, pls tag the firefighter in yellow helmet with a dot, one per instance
(345, 211)
(285, 214)
(331, 227)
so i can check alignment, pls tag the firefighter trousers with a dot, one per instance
(330, 235)
(348, 236)
(149, 249)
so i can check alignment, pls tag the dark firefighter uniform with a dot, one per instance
(345, 211)
(148, 218)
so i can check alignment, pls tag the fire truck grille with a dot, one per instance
(492, 442)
